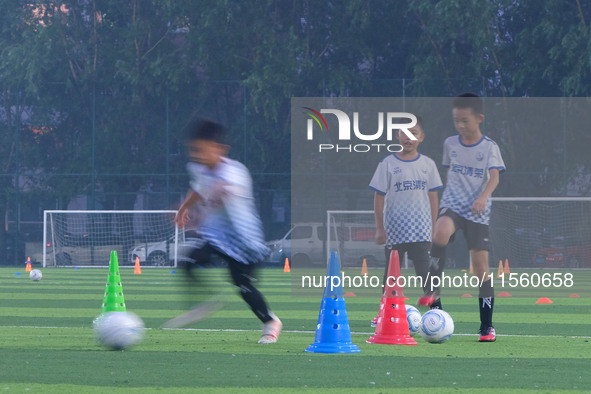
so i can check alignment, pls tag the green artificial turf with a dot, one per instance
(47, 343)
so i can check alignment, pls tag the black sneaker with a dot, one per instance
(436, 304)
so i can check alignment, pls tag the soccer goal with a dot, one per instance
(86, 238)
(352, 235)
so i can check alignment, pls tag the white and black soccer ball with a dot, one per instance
(35, 275)
(118, 330)
(436, 326)
(414, 319)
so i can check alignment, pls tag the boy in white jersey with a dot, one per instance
(474, 162)
(406, 202)
(231, 227)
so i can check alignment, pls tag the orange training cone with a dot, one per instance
(506, 270)
(392, 325)
(28, 267)
(544, 300)
(471, 268)
(137, 269)
(364, 267)
(286, 266)
(500, 271)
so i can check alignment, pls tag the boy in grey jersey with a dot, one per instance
(474, 162)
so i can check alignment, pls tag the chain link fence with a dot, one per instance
(140, 163)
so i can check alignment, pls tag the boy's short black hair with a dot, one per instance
(469, 100)
(205, 129)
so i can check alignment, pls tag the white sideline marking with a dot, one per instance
(307, 332)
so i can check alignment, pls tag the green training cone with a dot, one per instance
(113, 300)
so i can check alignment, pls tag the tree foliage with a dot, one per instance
(97, 91)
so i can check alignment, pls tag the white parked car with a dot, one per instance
(305, 245)
(162, 253)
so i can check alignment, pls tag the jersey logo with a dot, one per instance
(453, 153)
(479, 156)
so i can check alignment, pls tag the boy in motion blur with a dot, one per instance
(230, 226)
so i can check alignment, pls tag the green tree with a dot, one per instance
(98, 91)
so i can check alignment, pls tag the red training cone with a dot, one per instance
(392, 325)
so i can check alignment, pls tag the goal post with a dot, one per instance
(352, 235)
(529, 232)
(85, 238)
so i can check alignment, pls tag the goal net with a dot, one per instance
(536, 232)
(352, 235)
(86, 238)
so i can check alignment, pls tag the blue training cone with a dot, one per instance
(333, 334)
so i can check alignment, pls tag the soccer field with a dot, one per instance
(47, 343)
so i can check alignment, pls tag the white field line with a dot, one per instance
(304, 331)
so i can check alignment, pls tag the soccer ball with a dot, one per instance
(118, 330)
(436, 326)
(35, 275)
(414, 319)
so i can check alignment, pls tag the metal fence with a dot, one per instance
(161, 182)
